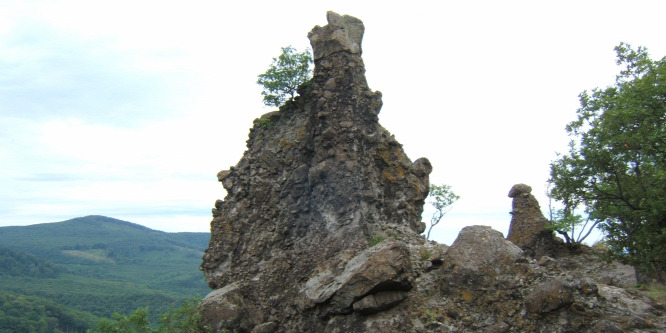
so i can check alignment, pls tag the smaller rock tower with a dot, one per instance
(528, 225)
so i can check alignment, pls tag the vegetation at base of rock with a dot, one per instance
(425, 254)
(616, 165)
(286, 73)
(306, 87)
(372, 241)
(97, 265)
(658, 293)
(441, 198)
(184, 319)
(263, 123)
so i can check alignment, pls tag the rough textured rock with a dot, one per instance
(382, 267)
(341, 34)
(320, 181)
(550, 296)
(319, 232)
(528, 225)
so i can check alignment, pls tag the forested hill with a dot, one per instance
(49, 239)
(19, 263)
(100, 265)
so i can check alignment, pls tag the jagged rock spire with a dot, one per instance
(313, 188)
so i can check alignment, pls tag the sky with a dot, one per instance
(129, 109)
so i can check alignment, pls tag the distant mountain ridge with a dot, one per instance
(49, 240)
(102, 265)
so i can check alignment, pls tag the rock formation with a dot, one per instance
(320, 232)
(528, 225)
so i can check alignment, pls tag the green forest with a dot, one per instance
(67, 276)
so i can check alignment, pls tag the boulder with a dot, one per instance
(384, 267)
(549, 296)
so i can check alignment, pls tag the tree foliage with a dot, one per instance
(137, 322)
(615, 169)
(19, 313)
(286, 73)
(19, 263)
(573, 227)
(441, 198)
(185, 319)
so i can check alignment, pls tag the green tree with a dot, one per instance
(573, 227)
(286, 73)
(441, 198)
(616, 166)
(184, 319)
(135, 323)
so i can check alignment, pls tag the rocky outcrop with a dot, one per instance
(320, 232)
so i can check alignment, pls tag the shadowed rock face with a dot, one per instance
(319, 231)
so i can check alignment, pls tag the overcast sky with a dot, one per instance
(130, 108)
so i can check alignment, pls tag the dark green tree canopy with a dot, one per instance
(286, 73)
(616, 165)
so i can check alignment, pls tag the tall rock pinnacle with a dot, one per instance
(319, 181)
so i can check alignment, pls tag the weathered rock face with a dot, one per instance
(319, 231)
(342, 34)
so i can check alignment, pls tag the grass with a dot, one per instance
(375, 240)
(425, 254)
(658, 293)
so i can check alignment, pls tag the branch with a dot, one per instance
(566, 236)
(588, 231)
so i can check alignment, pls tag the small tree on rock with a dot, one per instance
(441, 199)
(575, 228)
(286, 73)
